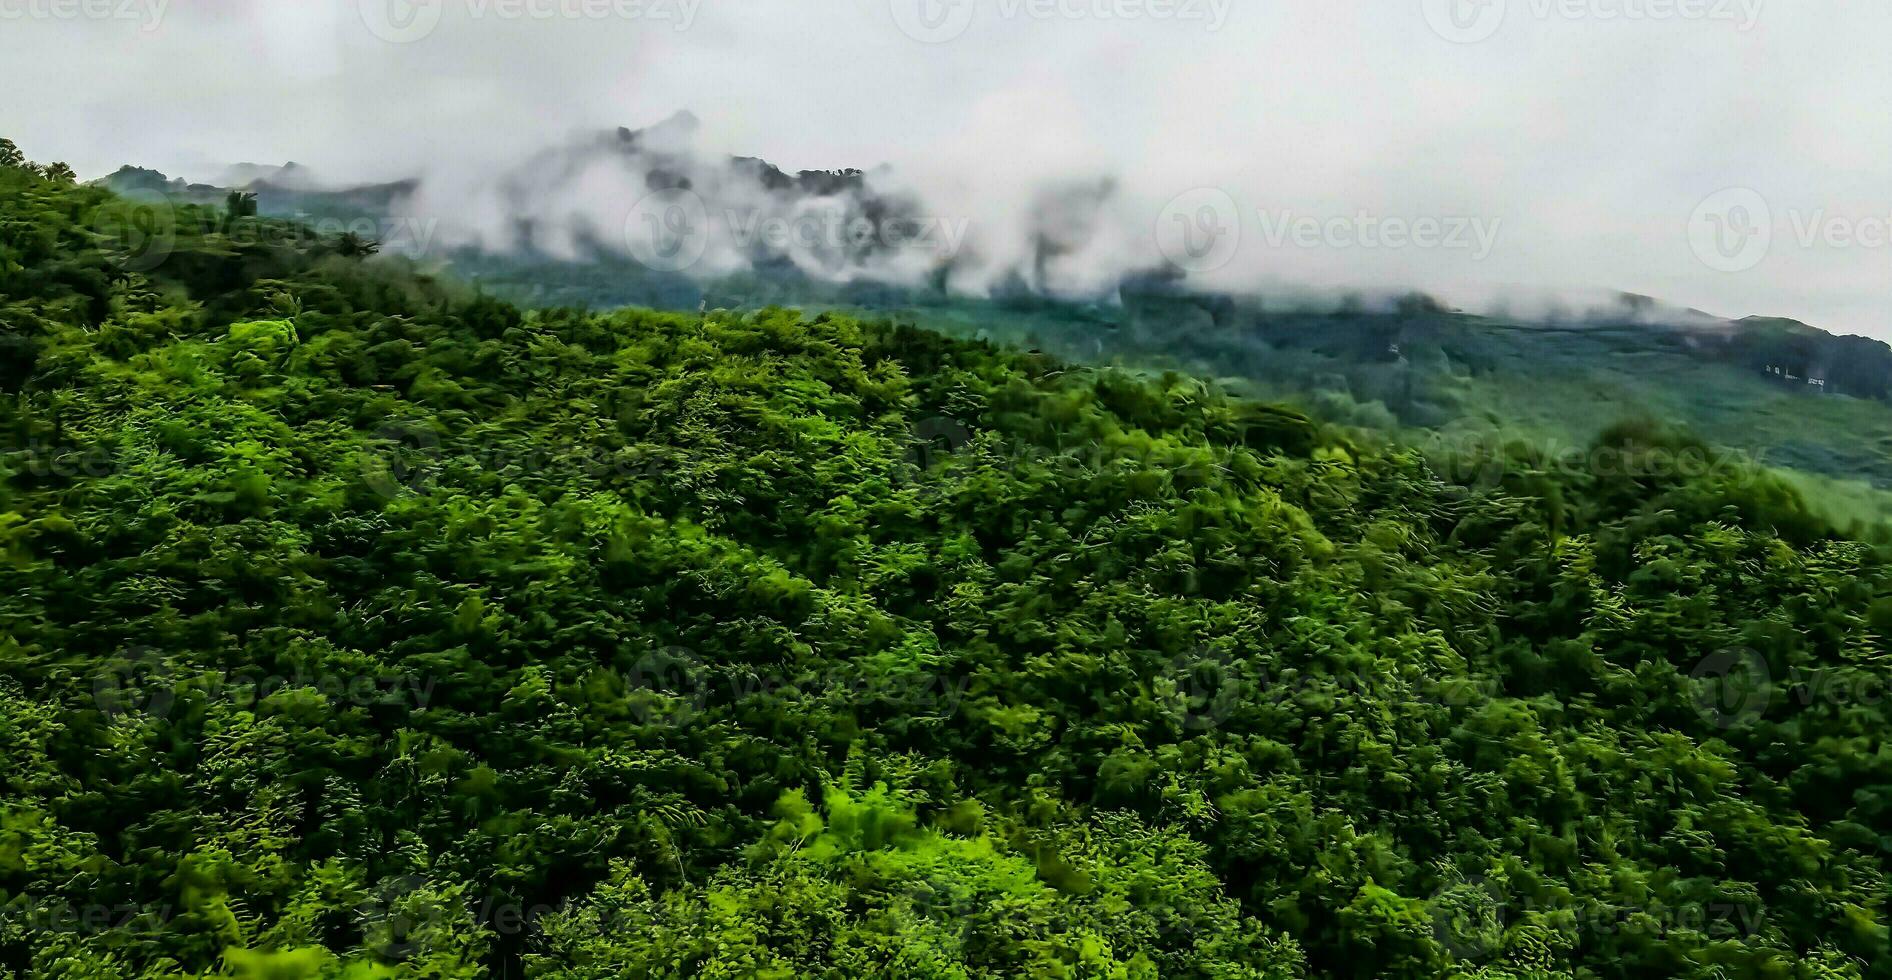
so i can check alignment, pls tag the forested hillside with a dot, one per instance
(354, 624)
(1406, 366)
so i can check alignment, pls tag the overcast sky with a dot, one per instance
(1733, 155)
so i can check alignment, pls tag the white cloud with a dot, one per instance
(1589, 136)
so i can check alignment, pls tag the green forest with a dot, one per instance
(1403, 365)
(357, 624)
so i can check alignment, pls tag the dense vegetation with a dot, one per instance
(353, 624)
(1424, 375)
(1409, 368)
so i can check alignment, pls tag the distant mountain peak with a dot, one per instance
(673, 134)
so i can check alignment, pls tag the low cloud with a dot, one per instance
(1597, 142)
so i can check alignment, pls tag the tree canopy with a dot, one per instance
(355, 624)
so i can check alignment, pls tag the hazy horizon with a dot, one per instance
(1728, 156)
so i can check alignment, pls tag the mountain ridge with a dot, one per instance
(1401, 361)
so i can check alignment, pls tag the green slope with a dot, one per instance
(352, 624)
(1461, 381)
(1462, 378)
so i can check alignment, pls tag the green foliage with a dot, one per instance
(866, 892)
(1409, 367)
(1447, 380)
(12, 159)
(355, 625)
(240, 204)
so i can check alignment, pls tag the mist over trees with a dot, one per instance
(356, 624)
